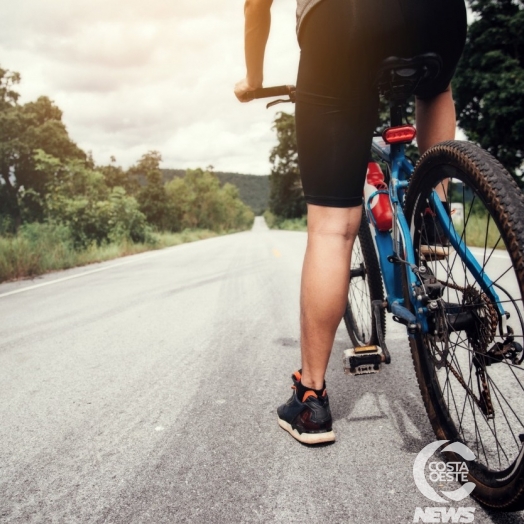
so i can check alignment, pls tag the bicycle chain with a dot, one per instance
(444, 362)
(479, 345)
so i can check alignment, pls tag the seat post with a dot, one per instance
(396, 114)
(395, 110)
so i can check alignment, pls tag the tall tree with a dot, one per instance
(25, 129)
(43, 129)
(115, 176)
(78, 198)
(199, 201)
(10, 129)
(489, 83)
(286, 198)
(152, 195)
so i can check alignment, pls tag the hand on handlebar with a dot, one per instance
(243, 90)
(245, 93)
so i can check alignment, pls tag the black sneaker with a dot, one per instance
(434, 243)
(307, 419)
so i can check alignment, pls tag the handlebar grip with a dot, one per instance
(267, 92)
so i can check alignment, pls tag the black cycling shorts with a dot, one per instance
(343, 43)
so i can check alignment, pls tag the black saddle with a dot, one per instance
(398, 78)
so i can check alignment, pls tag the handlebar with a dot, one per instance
(268, 92)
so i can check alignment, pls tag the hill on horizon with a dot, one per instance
(253, 189)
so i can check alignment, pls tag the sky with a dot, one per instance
(136, 76)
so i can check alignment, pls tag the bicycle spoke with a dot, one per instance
(365, 286)
(503, 412)
(470, 367)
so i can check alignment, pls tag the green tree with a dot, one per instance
(489, 83)
(10, 128)
(23, 130)
(115, 176)
(286, 198)
(76, 196)
(198, 201)
(152, 196)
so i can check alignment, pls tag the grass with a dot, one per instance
(478, 234)
(40, 248)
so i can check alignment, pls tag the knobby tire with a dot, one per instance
(471, 396)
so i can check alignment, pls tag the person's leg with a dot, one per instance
(436, 120)
(436, 123)
(325, 281)
(440, 27)
(324, 293)
(335, 115)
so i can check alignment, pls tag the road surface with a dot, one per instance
(144, 390)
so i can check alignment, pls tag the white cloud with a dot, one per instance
(134, 76)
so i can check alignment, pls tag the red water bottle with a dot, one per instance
(376, 198)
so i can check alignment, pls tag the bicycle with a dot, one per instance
(462, 306)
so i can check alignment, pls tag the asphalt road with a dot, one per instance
(144, 390)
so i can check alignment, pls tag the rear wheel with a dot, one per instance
(365, 286)
(469, 364)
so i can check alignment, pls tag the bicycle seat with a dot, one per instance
(398, 78)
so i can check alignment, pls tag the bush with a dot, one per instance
(101, 221)
(35, 250)
(39, 248)
(290, 224)
(78, 197)
(198, 201)
(125, 219)
(270, 218)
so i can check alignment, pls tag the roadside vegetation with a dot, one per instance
(290, 224)
(253, 190)
(39, 248)
(58, 209)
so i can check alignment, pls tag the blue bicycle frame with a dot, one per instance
(396, 251)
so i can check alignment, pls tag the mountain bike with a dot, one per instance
(451, 269)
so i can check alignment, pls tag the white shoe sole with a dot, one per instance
(307, 438)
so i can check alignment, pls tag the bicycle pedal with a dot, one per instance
(363, 360)
(433, 253)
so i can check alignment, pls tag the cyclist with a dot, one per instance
(343, 43)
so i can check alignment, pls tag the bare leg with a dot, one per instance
(325, 282)
(436, 123)
(435, 120)
(331, 234)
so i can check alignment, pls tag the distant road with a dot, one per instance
(144, 390)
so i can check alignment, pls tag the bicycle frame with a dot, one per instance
(395, 248)
(396, 251)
